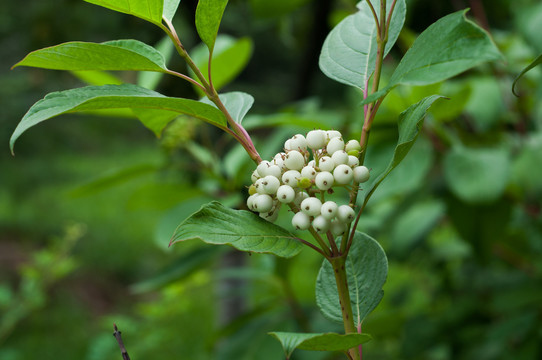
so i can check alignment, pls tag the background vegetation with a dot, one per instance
(88, 204)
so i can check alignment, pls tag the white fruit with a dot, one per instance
(308, 172)
(255, 176)
(285, 194)
(345, 214)
(263, 203)
(301, 221)
(259, 186)
(294, 160)
(271, 216)
(337, 228)
(316, 139)
(320, 224)
(311, 206)
(298, 142)
(270, 184)
(299, 197)
(343, 174)
(326, 164)
(352, 145)
(262, 167)
(340, 157)
(330, 134)
(335, 144)
(353, 161)
(290, 177)
(324, 180)
(250, 201)
(361, 174)
(329, 209)
(273, 170)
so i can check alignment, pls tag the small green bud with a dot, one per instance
(353, 153)
(304, 183)
(252, 190)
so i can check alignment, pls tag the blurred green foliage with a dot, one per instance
(460, 218)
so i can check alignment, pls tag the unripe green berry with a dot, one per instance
(361, 174)
(252, 190)
(329, 209)
(311, 206)
(285, 194)
(345, 214)
(324, 180)
(353, 153)
(343, 174)
(304, 183)
(294, 160)
(321, 224)
(301, 221)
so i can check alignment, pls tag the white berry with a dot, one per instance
(352, 145)
(294, 160)
(316, 139)
(361, 174)
(311, 206)
(320, 224)
(299, 197)
(343, 174)
(337, 228)
(285, 194)
(290, 177)
(326, 164)
(298, 142)
(250, 201)
(308, 172)
(353, 161)
(301, 221)
(330, 134)
(263, 203)
(345, 214)
(259, 186)
(324, 180)
(262, 167)
(270, 184)
(255, 176)
(335, 144)
(329, 209)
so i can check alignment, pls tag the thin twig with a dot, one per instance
(117, 336)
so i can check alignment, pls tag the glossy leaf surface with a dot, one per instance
(244, 230)
(150, 10)
(236, 102)
(208, 16)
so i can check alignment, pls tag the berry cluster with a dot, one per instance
(293, 178)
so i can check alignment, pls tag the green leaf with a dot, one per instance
(113, 97)
(349, 51)
(150, 10)
(149, 79)
(366, 271)
(110, 55)
(237, 103)
(208, 16)
(318, 341)
(98, 78)
(535, 63)
(170, 8)
(410, 122)
(244, 230)
(477, 175)
(230, 57)
(448, 47)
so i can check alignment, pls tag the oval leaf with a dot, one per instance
(366, 271)
(236, 102)
(208, 16)
(113, 97)
(244, 230)
(349, 51)
(150, 10)
(170, 8)
(318, 341)
(410, 122)
(111, 55)
(477, 175)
